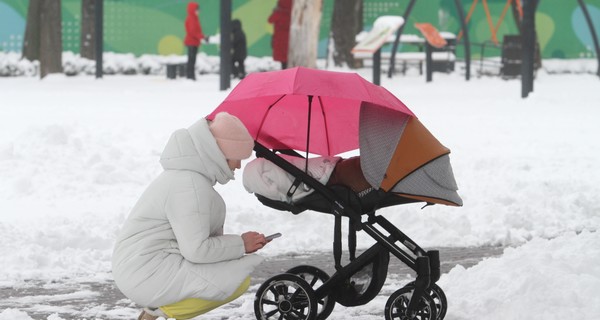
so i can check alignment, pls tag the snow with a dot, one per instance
(76, 153)
(543, 279)
(73, 64)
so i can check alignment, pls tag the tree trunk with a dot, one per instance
(31, 42)
(346, 23)
(50, 38)
(86, 43)
(304, 33)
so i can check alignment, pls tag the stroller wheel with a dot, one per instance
(439, 298)
(315, 277)
(285, 296)
(397, 305)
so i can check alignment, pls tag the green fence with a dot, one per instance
(156, 26)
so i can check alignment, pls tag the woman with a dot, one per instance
(280, 18)
(171, 255)
(193, 36)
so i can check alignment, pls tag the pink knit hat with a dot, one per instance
(232, 136)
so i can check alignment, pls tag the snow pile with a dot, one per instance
(14, 314)
(74, 64)
(12, 65)
(543, 279)
(577, 66)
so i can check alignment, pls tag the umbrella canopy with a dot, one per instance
(337, 111)
(303, 108)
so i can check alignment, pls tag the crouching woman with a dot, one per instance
(171, 255)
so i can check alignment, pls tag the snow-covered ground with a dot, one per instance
(75, 154)
(12, 64)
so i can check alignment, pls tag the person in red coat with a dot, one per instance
(280, 18)
(193, 36)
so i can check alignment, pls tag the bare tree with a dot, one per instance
(50, 38)
(43, 35)
(86, 41)
(346, 23)
(31, 42)
(304, 33)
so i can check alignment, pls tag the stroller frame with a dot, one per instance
(426, 264)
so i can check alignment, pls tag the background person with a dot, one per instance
(281, 18)
(193, 36)
(171, 255)
(239, 49)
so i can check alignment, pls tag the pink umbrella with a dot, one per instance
(306, 109)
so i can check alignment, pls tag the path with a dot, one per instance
(102, 300)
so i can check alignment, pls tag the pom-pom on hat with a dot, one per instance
(232, 136)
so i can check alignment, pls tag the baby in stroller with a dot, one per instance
(263, 177)
(269, 181)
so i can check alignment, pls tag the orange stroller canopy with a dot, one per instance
(399, 155)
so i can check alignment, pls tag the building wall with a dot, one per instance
(156, 26)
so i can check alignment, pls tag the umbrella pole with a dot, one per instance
(310, 99)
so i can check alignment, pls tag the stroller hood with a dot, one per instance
(399, 155)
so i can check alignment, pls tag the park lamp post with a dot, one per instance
(528, 46)
(225, 51)
(99, 35)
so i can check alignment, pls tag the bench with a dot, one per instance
(174, 69)
(371, 42)
(443, 56)
(441, 60)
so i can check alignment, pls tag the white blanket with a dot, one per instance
(263, 177)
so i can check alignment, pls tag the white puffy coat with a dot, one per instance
(172, 246)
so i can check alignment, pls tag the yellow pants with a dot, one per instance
(193, 307)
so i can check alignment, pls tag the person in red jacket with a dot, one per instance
(280, 18)
(193, 36)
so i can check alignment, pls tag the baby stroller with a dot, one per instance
(403, 163)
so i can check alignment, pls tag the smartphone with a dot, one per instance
(273, 236)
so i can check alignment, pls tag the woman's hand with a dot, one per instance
(253, 241)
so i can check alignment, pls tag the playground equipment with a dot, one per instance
(511, 46)
(524, 13)
(588, 19)
(517, 10)
(435, 42)
(372, 42)
(464, 31)
(436, 50)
